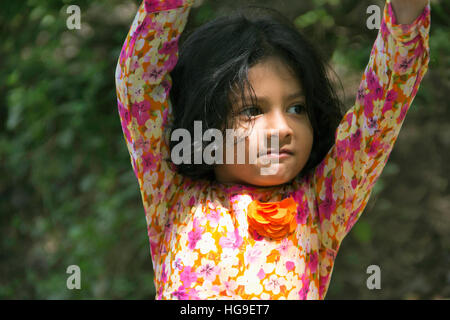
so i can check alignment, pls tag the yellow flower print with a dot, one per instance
(327, 242)
(274, 283)
(265, 296)
(188, 258)
(388, 119)
(314, 241)
(251, 282)
(229, 257)
(327, 228)
(313, 293)
(139, 44)
(136, 86)
(159, 94)
(268, 267)
(207, 243)
(280, 269)
(340, 234)
(230, 286)
(324, 264)
(408, 86)
(348, 170)
(300, 266)
(154, 127)
(291, 280)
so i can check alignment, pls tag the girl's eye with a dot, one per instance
(254, 111)
(251, 112)
(299, 108)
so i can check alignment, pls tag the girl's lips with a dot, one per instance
(280, 155)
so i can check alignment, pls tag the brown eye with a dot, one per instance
(250, 112)
(299, 108)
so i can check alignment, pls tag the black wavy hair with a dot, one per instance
(215, 59)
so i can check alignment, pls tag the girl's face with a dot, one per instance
(281, 109)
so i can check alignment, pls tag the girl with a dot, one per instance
(225, 230)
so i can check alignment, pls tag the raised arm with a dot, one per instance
(343, 181)
(143, 82)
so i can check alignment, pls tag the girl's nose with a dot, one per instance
(277, 122)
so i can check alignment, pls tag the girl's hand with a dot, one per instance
(406, 11)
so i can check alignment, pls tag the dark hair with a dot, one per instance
(216, 57)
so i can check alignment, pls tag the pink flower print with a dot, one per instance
(328, 205)
(191, 201)
(142, 144)
(154, 74)
(372, 80)
(256, 236)
(252, 255)
(178, 264)
(352, 219)
(375, 147)
(149, 162)
(320, 168)
(195, 235)
(261, 274)
(419, 50)
(402, 114)
(170, 63)
(126, 132)
(284, 246)
(232, 240)
(188, 277)
(403, 64)
(372, 125)
(302, 215)
(214, 217)
(354, 183)
(355, 140)
(169, 46)
(342, 147)
(193, 294)
(290, 265)
(180, 294)
(368, 104)
(140, 111)
(313, 262)
(123, 112)
(323, 285)
(303, 293)
(164, 273)
(208, 272)
(360, 97)
(165, 114)
(349, 118)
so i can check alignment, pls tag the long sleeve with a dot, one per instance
(365, 137)
(143, 83)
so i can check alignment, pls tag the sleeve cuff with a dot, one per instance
(406, 32)
(162, 5)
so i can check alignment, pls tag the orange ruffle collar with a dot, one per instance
(272, 219)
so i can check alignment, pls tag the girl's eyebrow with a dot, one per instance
(288, 97)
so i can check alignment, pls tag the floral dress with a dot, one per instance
(201, 247)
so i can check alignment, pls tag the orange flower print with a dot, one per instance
(272, 219)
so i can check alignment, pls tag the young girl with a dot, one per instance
(225, 230)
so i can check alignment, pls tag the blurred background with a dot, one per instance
(68, 195)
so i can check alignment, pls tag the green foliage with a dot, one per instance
(69, 195)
